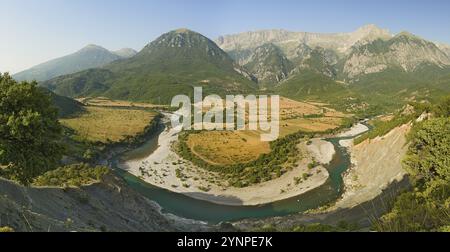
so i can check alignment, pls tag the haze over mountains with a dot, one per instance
(369, 63)
(90, 56)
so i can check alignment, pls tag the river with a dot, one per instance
(187, 207)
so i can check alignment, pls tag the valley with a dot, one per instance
(165, 168)
(358, 111)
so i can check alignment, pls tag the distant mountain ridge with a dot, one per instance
(125, 52)
(170, 65)
(405, 51)
(340, 56)
(91, 56)
(288, 41)
(352, 70)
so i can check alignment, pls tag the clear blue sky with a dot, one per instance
(34, 31)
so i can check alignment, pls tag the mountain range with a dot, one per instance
(170, 65)
(91, 56)
(345, 55)
(369, 65)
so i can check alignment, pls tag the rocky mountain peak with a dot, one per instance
(185, 39)
(405, 51)
(372, 29)
(186, 47)
(268, 64)
(301, 52)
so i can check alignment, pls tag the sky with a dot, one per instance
(35, 31)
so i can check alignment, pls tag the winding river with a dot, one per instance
(187, 207)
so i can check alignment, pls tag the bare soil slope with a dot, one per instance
(106, 206)
(376, 164)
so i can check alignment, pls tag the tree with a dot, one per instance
(428, 157)
(443, 108)
(29, 130)
(427, 207)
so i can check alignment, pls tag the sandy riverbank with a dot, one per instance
(322, 151)
(354, 131)
(165, 169)
(164, 166)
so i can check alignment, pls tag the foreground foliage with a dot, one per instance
(72, 175)
(342, 226)
(6, 230)
(427, 207)
(381, 128)
(29, 131)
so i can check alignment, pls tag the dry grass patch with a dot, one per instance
(109, 124)
(333, 122)
(309, 125)
(292, 109)
(227, 147)
(231, 147)
(106, 102)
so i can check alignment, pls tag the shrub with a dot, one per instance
(71, 175)
(6, 230)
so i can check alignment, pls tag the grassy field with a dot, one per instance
(291, 126)
(103, 124)
(227, 147)
(232, 147)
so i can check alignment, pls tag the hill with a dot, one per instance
(109, 205)
(168, 66)
(365, 69)
(90, 56)
(66, 106)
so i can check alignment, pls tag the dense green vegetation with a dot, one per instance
(283, 156)
(427, 206)
(381, 127)
(30, 133)
(67, 107)
(6, 230)
(32, 142)
(370, 94)
(312, 227)
(310, 85)
(72, 175)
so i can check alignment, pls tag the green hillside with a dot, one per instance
(66, 106)
(172, 64)
(395, 87)
(90, 56)
(310, 85)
